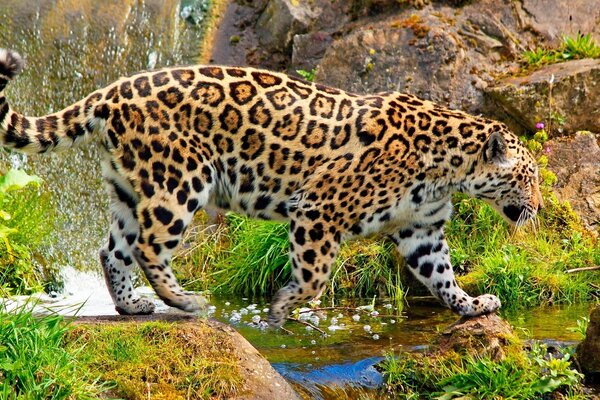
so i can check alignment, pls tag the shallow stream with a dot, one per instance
(339, 364)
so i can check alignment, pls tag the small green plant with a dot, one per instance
(580, 46)
(26, 219)
(581, 328)
(34, 363)
(308, 75)
(571, 48)
(537, 57)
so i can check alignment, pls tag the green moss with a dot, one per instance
(157, 359)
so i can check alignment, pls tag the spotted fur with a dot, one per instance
(334, 164)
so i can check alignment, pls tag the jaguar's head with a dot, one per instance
(506, 176)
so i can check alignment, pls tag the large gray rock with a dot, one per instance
(444, 56)
(572, 97)
(553, 19)
(308, 49)
(281, 20)
(576, 162)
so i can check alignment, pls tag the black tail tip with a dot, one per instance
(11, 63)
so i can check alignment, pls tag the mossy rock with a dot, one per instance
(486, 335)
(174, 356)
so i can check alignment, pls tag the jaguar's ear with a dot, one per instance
(494, 151)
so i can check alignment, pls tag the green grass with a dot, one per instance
(522, 375)
(250, 258)
(34, 363)
(571, 48)
(257, 261)
(528, 267)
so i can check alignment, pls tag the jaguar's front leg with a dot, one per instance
(428, 257)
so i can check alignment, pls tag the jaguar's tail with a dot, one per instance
(52, 132)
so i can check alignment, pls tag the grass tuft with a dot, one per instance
(572, 48)
(33, 362)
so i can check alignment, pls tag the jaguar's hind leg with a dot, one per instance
(163, 219)
(313, 248)
(116, 256)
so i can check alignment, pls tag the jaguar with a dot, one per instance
(335, 165)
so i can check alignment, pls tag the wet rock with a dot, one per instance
(281, 20)
(484, 335)
(588, 351)
(568, 104)
(562, 17)
(576, 162)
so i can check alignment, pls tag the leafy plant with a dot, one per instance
(13, 180)
(581, 328)
(26, 219)
(308, 75)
